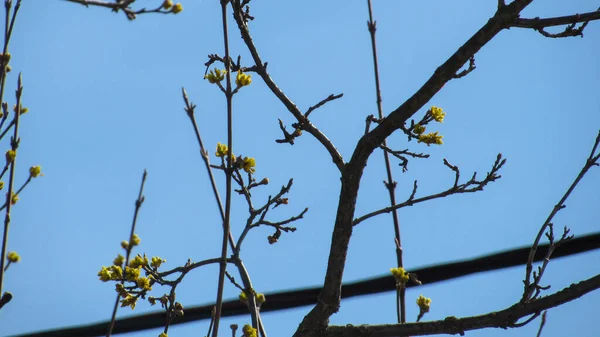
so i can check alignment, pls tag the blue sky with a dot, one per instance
(105, 104)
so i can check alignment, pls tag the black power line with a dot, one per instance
(302, 297)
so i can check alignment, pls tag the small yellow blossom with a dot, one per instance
(221, 150)
(131, 274)
(157, 261)
(163, 334)
(14, 198)
(431, 138)
(5, 57)
(1, 184)
(249, 331)
(24, 110)
(136, 240)
(144, 283)
(139, 261)
(13, 257)
(178, 8)
(400, 275)
(438, 114)
(167, 4)
(242, 79)
(118, 261)
(116, 272)
(424, 303)
(125, 244)
(243, 297)
(178, 309)
(104, 274)
(260, 298)
(120, 288)
(418, 129)
(35, 171)
(129, 301)
(248, 165)
(10, 156)
(216, 75)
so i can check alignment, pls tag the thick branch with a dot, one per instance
(537, 23)
(502, 319)
(329, 298)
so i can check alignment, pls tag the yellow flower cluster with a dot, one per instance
(168, 4)
(139, 261)
(400, 275)
(23, 109)
(178, 8)
(35, 171)
(111, 273)
(431, 138)
(13, 257)
(135, 240)
(119, 260)
(424, 303)
(129, 301)
(437, 113)
(221, 150)
(14, 198)
(418, 129)
(157, 261)
(216, 75)
(242, 79)
(132, 274)
(260, 298)
(248, 165)
(144, 283)
(10, 156)
(249, 331)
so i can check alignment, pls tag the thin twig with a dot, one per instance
(130, 13)
(542, 323)
(228, 174)
(472, 185)
(591, 161)
(329, 98)
(390, 184)
(138, 205)
(261, 69)
(11, 179)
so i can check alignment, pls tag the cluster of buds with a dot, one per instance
(418, 130)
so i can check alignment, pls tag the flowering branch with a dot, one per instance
(129, 247)
(166, 7)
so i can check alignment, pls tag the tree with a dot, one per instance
(342, 121)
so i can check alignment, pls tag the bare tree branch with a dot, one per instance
(473, 185)
(261, 69)
(530, 287)
(506, 318)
